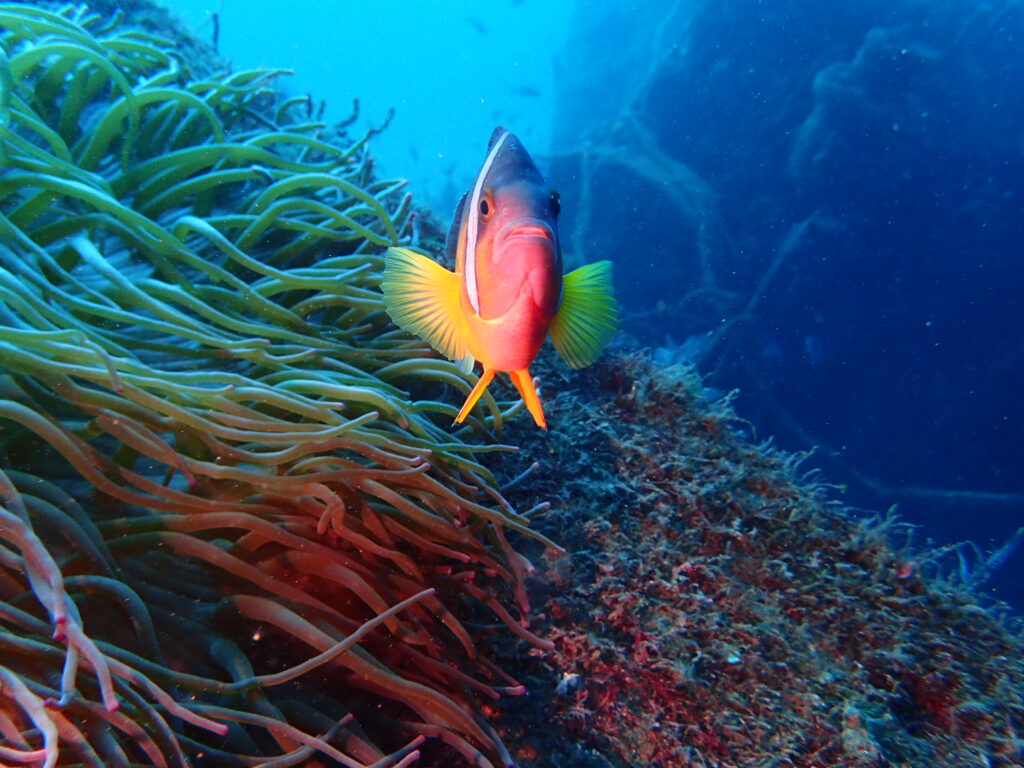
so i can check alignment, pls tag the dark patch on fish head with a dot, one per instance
(512, 163)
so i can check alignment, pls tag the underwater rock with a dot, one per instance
(716, 607)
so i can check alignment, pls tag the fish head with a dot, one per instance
(509, 250)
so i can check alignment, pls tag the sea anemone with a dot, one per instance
(226, 532)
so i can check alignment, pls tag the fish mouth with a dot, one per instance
(524, 228)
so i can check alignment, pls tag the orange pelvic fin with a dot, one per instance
(524, 384)
(474, 395)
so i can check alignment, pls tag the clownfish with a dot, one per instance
(507, 292)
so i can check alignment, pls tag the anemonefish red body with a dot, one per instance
(507, 292)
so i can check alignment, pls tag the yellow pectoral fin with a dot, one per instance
(588, 315)
(524, 385)
(474, 395)
(422, 297)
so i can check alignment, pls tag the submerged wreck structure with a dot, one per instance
(235, 528)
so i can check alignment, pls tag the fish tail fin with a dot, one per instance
(474, 395)
(524, 385)
(422, 297)
(588, 316)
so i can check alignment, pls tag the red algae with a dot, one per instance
(715, 608)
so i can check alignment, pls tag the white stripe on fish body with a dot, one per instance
(473, 225)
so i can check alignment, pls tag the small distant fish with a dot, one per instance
(477, 25)
(507, 292)
(525, 90)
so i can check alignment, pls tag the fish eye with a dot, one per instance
(485, 207)
(556, 205)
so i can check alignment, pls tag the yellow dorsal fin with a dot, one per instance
(423, 298)
(588, 316)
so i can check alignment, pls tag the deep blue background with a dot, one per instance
(833, 192)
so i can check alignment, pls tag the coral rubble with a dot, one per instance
(715, 609)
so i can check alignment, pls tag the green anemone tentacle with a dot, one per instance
(206, 431)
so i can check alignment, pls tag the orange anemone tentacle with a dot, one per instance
(474, 395)
(524, 384)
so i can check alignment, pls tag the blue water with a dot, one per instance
(450, 71)
(820, 204)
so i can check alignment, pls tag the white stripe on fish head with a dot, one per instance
(473, 224)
